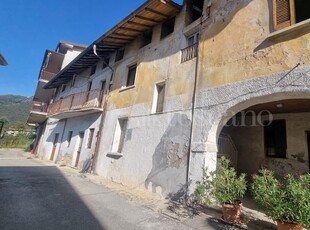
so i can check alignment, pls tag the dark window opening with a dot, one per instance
(69, 138)
(90, 138)
(123, 127)
(167, 27)
(89, 85)
(63, 88)
(146, 37)
(119, 54)
(103, 85)
(161, 97)
(93, 69)
(196, 8)
(73, 81)
(302, 10)
(275, 139)
(105, 63)
(131, 76)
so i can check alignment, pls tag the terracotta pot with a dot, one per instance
(232, 213)
(288, 226)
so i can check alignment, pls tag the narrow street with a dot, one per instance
(41, 195)
(37, 196)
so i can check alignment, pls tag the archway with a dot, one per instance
(269, 131)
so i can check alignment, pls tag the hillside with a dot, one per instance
(15, 108)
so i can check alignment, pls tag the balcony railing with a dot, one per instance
(189, 53)
(45, 75)
(75, 102)
(38, 106)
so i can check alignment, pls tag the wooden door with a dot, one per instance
(54, 146)
(78, 153)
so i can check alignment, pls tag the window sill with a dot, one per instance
(115, 155)
(192, 28)
(291, 30)
(126, 88)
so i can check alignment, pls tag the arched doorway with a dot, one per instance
(273, 133)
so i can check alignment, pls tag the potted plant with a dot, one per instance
(287, 201)
(226, 187)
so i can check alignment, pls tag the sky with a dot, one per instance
(29, 27)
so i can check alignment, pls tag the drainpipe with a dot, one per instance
(103, 115)
(194, 102)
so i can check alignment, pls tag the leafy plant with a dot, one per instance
(223, 184)
(287, 201)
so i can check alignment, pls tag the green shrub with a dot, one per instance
(287, 201)
(223, 184)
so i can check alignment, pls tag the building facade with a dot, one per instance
(53, 62)
(170, 88)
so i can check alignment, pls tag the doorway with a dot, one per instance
(54, 146)
(78, 153)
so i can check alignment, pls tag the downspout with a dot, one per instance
(194, 102)
(103, 115)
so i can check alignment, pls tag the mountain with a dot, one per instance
(15, 108)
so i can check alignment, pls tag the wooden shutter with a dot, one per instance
(283, 13)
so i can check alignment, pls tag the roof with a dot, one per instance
(2, 60)
(149, 14)
(69, 45)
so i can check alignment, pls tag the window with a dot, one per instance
(159, 98)
(73, 81)
(193, 39)
(88, 90)
(167, 27)
(105, 63)
(275, 139)
(119, 54)
(195, 9)
(131, 75)
(93, 70)
(146, 37)
(289, 12)
(103, 85)
(90, 138)
(89, 85)
(63, 88)
(69, 137)
(119, 136)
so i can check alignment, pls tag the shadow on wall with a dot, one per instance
(41, 198)
(169, 161)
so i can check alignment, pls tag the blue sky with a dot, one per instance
(29, 27)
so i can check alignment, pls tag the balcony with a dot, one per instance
(77, 105)
(38, 113)
(189, 53)
(45, 75)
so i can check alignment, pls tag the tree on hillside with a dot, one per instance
(5, 121)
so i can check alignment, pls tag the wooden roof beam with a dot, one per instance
(156, 12)
(147, 19)
(139, 24)
(130, 29)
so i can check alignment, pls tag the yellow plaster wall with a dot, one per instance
(235, 44)
(156, 62)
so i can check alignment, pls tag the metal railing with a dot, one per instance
(78, 101)
(189, 52)
(227, 148)
(38, 106)
(45, 75)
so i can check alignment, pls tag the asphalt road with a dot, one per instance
(37, 196)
